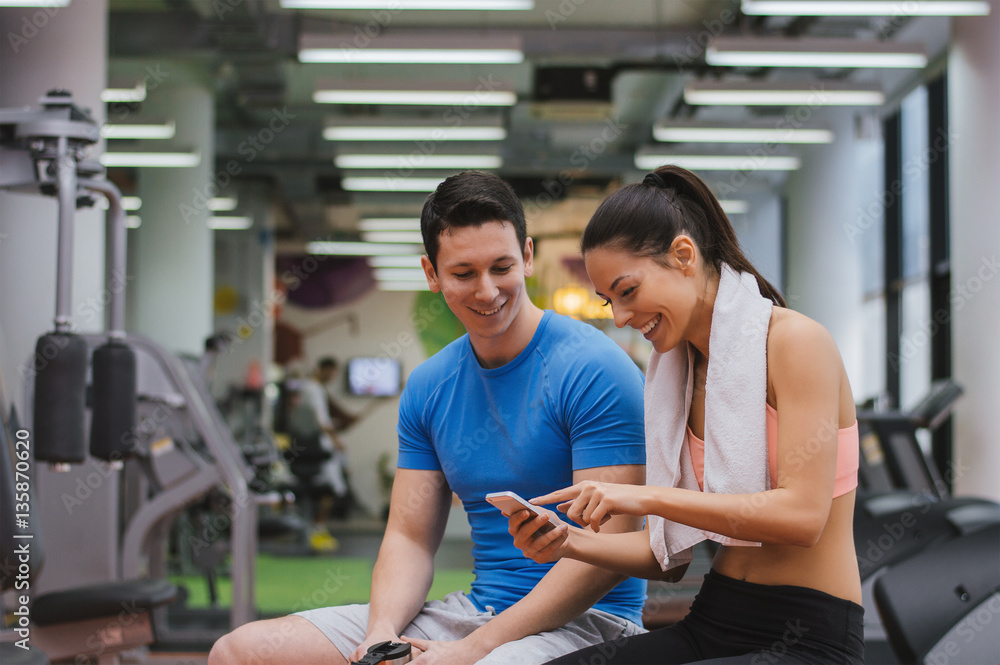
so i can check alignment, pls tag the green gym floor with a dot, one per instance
(287, 584)
(290, 579)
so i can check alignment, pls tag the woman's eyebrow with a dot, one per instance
(615, 283)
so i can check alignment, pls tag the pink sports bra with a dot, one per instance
(848, 450)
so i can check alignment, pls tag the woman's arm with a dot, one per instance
(805, 370)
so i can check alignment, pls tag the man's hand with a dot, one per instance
(540, 547)
(459, 652)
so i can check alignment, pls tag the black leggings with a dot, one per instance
(732, 621)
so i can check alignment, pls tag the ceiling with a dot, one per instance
(644, 50)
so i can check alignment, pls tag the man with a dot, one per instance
(332, 420)
(528, 401)
(328, 420)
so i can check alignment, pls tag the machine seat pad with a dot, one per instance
(10, 654)
(111, 599)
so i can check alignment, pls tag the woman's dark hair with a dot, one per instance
(644, 218)
(472, 198)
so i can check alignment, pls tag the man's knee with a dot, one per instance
(225, 651)
(270, 642)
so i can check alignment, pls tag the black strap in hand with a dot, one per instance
(386, 652)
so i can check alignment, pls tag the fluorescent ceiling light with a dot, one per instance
(230, 223)
(427, 56)
(392, 236)
(131, 95)
(673, 132)
(392, 5)
(410, 285)
(129, 203)
(650, 161)
(410, 261)
(222, 203)
(399, 133)
(399, 274)
(164, 131)
(389, 224)
(418, 161)
(393, 184)
(362, 249)
(750, 52)
(417, 97)
(34, 3)
(734, 206)
(153, 159)
(866, 7)
(401, 48)
(133, 222)
(765, 93)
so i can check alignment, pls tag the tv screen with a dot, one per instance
(374, 376)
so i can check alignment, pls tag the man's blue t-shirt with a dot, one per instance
(572, 399)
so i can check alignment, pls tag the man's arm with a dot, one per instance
(343, 418)
(401, 579)
(570, 587)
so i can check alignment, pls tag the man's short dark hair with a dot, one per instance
(472, 198)
(327, 362)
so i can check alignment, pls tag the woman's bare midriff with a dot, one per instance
(829, 566)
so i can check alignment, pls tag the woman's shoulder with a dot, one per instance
(796, 342)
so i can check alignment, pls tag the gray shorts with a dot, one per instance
(455, 616)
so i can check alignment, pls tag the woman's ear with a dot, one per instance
(685, 253)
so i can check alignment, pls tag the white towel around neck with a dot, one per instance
(735, 417)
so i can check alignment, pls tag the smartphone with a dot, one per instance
(509, 503)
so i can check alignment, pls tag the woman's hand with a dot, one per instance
(592, 503)
(538, 545)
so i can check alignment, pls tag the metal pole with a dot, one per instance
(65, 167)
(116, 250)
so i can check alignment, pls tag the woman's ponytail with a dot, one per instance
(644, 218)
(719, 232)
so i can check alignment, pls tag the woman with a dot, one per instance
(784, 586)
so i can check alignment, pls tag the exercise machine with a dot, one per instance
(119, 393)
(951, 615)
(45, 152)
(903, 506)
